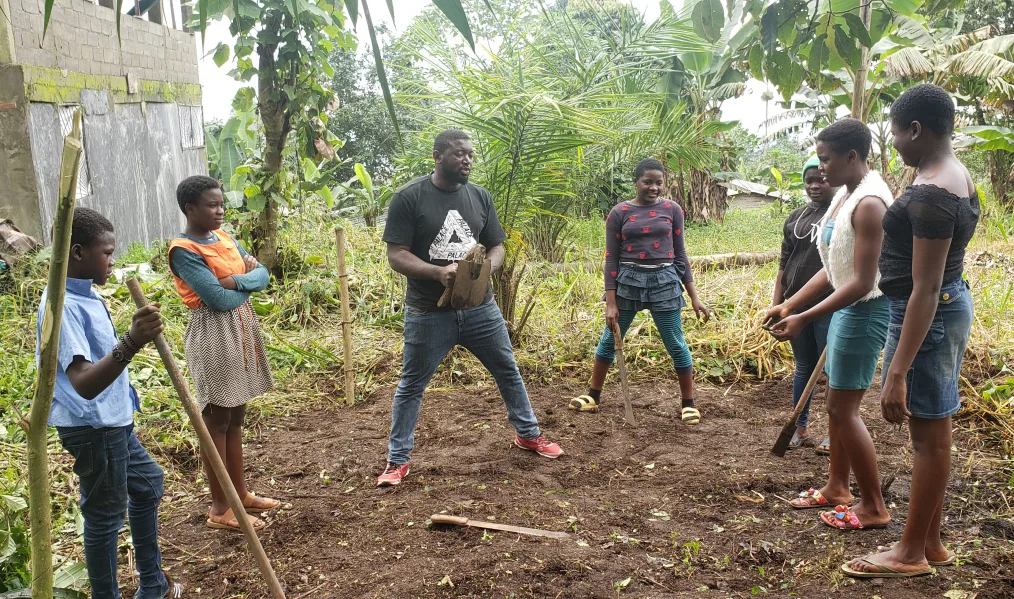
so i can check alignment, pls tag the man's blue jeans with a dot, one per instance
(117, 476)
(806, 350)
(429, 336)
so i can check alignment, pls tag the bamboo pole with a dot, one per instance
(343, 290)
(49, 346)
(208, 449)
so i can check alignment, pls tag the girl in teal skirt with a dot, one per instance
(849, 244)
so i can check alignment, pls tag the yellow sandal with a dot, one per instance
(584, 403)
(690, 416)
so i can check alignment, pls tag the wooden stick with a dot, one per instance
(209, 450)
(40, 509)
(343, 290)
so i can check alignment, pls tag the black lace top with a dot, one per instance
(926, 212)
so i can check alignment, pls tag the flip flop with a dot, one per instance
(175, 588)
(249, 499)
(798, 441)
(883, 571)
(952, 558)
(843, 518)
(812, 494)
(228, 521)
(584, 403)
(690, 416)
(825, 447)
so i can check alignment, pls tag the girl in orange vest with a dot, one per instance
(223, 343)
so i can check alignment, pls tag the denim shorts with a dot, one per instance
(855, 339)
(932, 381)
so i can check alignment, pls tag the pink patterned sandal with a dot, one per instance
(810, 499)
(843, 518)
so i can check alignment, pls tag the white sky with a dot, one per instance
(219, 87)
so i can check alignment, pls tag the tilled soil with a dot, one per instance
(660, 510)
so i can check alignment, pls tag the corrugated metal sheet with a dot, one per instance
(136, 157)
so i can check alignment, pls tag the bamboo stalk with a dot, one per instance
(343, 290)
(49, 346)
(208, 449)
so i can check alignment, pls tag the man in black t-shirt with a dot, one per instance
(431, 223)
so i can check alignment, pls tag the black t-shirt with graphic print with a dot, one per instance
(440, 227)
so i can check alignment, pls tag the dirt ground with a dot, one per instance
(660, 510)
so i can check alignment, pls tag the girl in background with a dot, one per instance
(799, 262)
(647, 268)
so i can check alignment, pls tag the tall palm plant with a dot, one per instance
(556, 94)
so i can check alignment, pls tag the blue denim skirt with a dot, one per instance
(855, 339)
(643, 288)
(932, 381)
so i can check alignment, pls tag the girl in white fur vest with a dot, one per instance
(849, 245)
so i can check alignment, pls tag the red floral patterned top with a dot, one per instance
(645, 235)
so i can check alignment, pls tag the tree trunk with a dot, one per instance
(859, 108)
(275, 118)
(40, 510)
(1001, 176)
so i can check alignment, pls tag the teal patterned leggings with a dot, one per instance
(670, 327)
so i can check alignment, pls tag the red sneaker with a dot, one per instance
(392, 475)
(540, 445)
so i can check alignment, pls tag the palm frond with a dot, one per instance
(976, 63)
(960, 43)
(908, 63)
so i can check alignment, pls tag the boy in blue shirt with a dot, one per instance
(93, 412)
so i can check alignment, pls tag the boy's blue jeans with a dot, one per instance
(429, 336)
(117, 476)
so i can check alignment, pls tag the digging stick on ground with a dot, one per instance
(628, 409)
(790, 427)
(208, 449)
(461, 521)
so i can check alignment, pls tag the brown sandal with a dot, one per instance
(250, 498)
(228, 521)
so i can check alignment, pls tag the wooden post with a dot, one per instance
(343, 290)
(208, 449)
(49, 346)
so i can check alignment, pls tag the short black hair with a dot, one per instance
(648, 164)
(929, 104)
(444, 139)
(88, 226)
(844, 135)
(190, 189)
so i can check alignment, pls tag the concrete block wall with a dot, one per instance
(82, 38)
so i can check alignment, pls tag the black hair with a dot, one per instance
(444, 139)
(190, 189)
(648, 164)
(845, 135)
(929, 104)
(88, 226)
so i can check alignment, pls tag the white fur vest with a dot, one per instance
(839, 257)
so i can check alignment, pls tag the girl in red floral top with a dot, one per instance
(646, 268)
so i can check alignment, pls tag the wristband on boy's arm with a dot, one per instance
(129, 343)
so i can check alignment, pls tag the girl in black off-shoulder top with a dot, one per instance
(926, 232)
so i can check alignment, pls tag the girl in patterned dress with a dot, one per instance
(223, 344)
(647, 268)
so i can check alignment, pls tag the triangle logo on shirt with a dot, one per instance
(454, 239)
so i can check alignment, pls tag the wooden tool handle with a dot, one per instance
(617, 337)
(208, 449)
(449, 519)
(810, 384)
